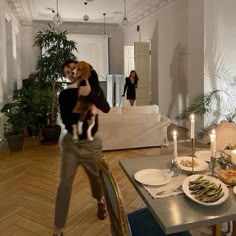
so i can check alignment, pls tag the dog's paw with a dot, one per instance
(80, 128)
(75, 139)
(90, 138)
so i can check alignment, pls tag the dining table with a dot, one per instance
(178, 213)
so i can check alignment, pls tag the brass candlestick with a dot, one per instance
(193, 154)
(213, 161)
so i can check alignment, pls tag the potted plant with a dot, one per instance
(218, 104)
(34, 99)
(56, 49)
(16, 118)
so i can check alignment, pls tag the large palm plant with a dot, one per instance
(56, 49)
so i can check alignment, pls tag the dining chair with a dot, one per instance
(137, 223)
(225, 135)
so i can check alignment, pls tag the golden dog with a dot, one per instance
(83, 106)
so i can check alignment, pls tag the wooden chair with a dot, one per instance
(225, 135)
(137, 223)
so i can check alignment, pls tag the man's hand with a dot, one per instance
(85, 90)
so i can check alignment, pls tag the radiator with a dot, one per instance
(3, 125)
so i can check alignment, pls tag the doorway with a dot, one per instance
(138, 57)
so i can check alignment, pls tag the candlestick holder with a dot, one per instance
(213, 166)
(193, 154)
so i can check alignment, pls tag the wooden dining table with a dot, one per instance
(178, 213)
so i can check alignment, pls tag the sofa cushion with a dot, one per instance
(113, 111)
(148, 109)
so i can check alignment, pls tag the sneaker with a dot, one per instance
(102, 211)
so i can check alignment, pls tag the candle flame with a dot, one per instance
(192, 117)
(174, 133)
(212, 136)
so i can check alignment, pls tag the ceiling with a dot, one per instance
(74, 10)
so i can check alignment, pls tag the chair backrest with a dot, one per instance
(225, 135)
(114, 201)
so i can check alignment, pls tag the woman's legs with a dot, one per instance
(131, 101)
(69, 165)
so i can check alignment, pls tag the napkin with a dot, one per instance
(174, 187)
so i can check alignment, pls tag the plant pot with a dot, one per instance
(15, 142)
(51, 134)
(32, 131)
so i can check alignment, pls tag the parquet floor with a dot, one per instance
(28, 183)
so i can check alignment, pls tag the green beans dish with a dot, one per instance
(205, 191)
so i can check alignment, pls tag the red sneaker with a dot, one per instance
(102, 211)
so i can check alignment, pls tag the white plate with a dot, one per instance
(153, 176)
(186, 190)
(202, 164)
(234, 189)
(228, 152)
(205, 155)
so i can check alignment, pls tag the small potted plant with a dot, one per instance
(16, 119)
(34, 99)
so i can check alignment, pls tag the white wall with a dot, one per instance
(9, 75)
(30, 54)
(93, 49)
(195, 52)
(116, 52)
(167, 30)
(172, 58)
(220, 52)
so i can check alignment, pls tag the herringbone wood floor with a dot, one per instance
(28, 183)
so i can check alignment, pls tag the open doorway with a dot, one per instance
(138, 58)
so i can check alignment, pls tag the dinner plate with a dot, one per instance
(234, 189)
(153, 177)
(202, 165)
(187, 192)
(205, 155)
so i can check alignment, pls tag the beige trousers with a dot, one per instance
(85, 153)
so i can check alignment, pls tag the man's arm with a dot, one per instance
(96, 96)
(66, 107)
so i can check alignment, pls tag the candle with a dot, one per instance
(233, 156)
(213, 145)
(175, 142)
(192, 126)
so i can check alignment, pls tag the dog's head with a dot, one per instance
(81, 70)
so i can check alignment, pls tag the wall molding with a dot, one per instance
(76, 27)
(137, 11)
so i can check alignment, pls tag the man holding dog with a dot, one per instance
(85, 153)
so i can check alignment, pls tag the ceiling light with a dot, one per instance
(104, 24)
(57, 20)
(85, 17)
(125, 19)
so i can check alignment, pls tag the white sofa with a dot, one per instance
(132, 127)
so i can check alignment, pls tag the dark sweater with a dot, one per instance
(68, 99)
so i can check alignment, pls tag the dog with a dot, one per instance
(83, 106)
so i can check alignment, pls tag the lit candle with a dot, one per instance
(192, 131)
(175, 142)
(233, 156)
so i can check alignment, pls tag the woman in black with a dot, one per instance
(131, 83)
